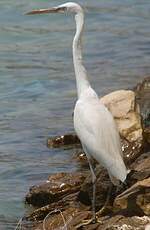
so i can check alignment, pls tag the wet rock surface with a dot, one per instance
(59, 141)
(55, 188)
(131, 150)
(64, 200)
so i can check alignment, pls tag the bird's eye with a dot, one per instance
(62, 9)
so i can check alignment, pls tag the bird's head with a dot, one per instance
(66, 7)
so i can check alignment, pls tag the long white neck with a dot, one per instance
(80, 72)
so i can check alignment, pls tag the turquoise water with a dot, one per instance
(37, 84)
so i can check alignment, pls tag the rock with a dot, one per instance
(57, 186)
(136, 199)
(81, 158)
(102, 185)
(58, 220)
(138, 204)
(120, 222)
(72, 219)
(140, 171)
(142, 91)
(146, 134)
(141, 167)
(59, 141)
(62, 204)
(123, 106)
(130, 150)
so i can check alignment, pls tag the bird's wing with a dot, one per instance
(98, 133)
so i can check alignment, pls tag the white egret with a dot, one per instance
(93, 123)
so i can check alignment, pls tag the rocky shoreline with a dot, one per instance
(64, 200)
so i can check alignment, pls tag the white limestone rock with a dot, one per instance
(126, 112)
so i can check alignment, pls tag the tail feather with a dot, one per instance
(116, 181)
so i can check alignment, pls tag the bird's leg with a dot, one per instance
(94, 188)
(101, 211)
(93, 219)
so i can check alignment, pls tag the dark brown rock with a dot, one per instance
(136, 199)
(131, 150)
(81, 158)
(142, 91)
(136, 204)
(59, 141)
(142, 163)
(57, 186)
(70, 217)
(140, 171)
(102, 185)
(62, 204)
(146, 133)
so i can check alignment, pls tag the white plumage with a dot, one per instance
(98, 133)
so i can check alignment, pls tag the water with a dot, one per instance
(37, 85)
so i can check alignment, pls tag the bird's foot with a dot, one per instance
(101, 211)
(89, 221)
(104, 208)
